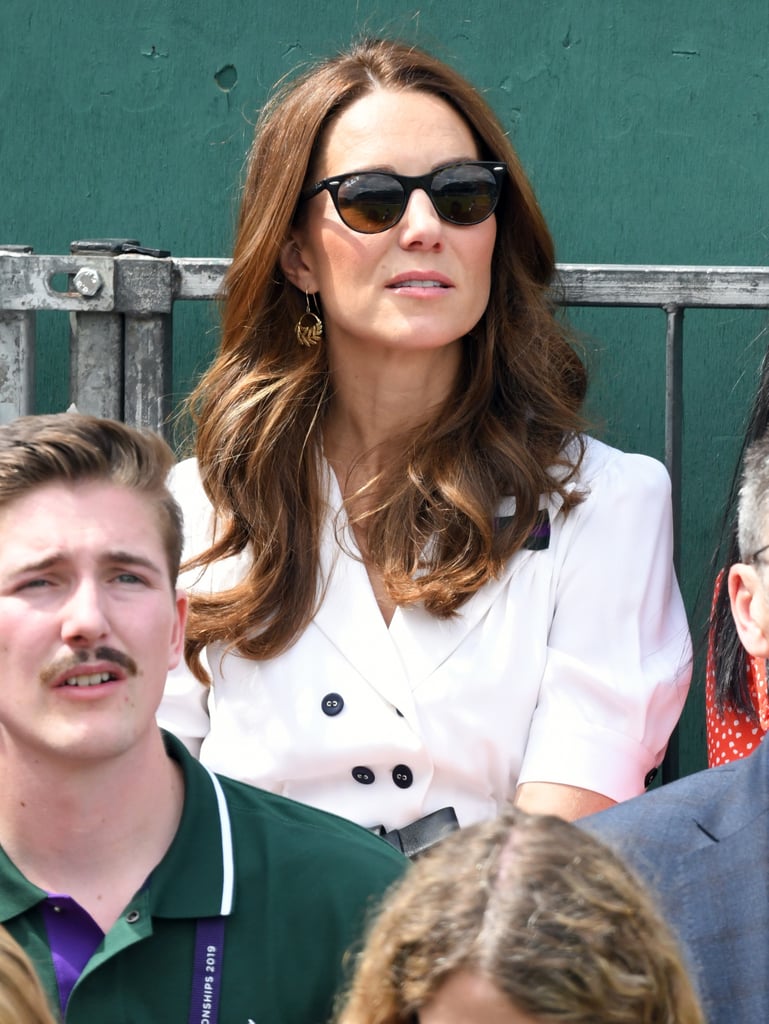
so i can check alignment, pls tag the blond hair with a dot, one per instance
(540, 908)
(22, 1000)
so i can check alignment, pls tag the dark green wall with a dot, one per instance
(643, 125)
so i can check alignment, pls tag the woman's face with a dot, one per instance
(421, 284)
(468, 998)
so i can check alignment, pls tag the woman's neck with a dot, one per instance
(378, 400)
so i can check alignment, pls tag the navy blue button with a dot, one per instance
(363, 775)
(332, 704)
(402, 776)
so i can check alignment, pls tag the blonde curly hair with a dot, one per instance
(541, 909)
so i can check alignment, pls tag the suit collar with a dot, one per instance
(740, 801)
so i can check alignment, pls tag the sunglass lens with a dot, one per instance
(370, 202)
(465, 194)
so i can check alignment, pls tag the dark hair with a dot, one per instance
(260, 407)
(70, 447)
(541, 909)
(753, 502)
(730, 659)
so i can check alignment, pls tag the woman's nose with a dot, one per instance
(420, 224)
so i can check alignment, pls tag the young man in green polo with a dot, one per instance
(144, 887)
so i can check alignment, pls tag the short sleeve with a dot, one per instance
(183, 709)
(618, 661)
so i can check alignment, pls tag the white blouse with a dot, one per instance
(572, 667)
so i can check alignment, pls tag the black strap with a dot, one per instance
(423, 833)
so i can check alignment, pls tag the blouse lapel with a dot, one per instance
(349, 615)
(397, 660)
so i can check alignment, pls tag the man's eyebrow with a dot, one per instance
(108, 557)
(130, 558)
(40, 566)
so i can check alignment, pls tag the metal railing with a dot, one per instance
(120, 299)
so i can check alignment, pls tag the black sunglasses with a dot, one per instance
(373, 201)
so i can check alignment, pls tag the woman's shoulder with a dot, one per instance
(184, 478)
(187, 488)
(603, 465)
(200, 531)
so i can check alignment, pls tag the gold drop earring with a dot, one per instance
(309, 326)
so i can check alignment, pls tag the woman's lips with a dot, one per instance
(421, 280)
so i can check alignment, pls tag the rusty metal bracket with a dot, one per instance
(26, 282)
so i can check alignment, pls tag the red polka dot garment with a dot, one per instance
(735, 735)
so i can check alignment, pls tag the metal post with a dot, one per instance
(96, 343)
(144, 290)
(17, 356)
(674, 403)
(674, 337)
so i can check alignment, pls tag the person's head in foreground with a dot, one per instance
(522, 920)
(22, 1000)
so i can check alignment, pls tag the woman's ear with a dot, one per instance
(294, 265)
(749, 609)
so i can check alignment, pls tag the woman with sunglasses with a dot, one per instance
(417, 587)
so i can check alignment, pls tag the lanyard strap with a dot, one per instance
(208, 958)
(207, 971)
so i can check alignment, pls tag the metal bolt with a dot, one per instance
(88, 281)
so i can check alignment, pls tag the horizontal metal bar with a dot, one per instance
(579, 284)
(26, 282)
(595, 284)
(199, 279)
(144, 285)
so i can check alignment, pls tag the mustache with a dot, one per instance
(77, 658)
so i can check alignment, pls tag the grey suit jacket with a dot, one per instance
(702, 844)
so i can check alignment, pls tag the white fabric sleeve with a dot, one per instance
(184, 707)
(619, 654)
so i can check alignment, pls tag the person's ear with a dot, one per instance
(749, 609)
(295, 264)
(181, 606)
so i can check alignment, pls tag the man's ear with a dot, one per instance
(181, 606)
(749, 609)
(295, 266)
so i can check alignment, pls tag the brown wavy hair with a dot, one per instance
(542, 910)
(259, 409)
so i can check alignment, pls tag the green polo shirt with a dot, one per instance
(293, 884)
